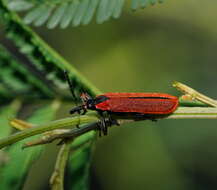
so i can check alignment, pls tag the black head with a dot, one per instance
(87, 103)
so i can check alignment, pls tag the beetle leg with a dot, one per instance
(105, 127)
(102, 127)
(84, 111)
(76, 109)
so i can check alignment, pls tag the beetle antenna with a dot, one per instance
(70, 84)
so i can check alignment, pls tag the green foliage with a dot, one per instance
(78, 171)
(64, 13)
(48, 63)
(15, 77)
(14, 172)
(7, 112)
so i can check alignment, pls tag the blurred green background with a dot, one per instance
(145, 51)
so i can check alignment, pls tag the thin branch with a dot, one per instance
(195, 95)
(57, 178)
(180, 113)
(194, 113)
(63, 134)
(38, 129)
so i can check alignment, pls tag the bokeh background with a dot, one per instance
(145, 51)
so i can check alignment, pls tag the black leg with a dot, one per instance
(71, 87)
(112, 121)
(105, 126)
(84, 111)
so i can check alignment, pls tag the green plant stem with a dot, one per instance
(194, 94)
(194, 113)
(64, 133)
(180, 113)
(57, 178)
(190, 103)
(58, 124)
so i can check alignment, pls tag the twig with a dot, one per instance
(194, 113)
(195, 94)
(62, 134)
(38, 129)
(57, 178)
(180, 113)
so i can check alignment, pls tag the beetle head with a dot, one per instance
(88, 101)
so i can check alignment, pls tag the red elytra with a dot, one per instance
(141, 103)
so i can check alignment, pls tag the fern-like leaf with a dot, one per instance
(42, 57)
(15, 78)
(23, 159)
(20, 5)
(64, 13)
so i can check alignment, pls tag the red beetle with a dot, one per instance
(131, 104)
(137, 106)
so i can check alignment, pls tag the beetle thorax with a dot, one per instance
(90, 104)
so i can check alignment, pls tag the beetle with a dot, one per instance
(136, 106)
(133, 105)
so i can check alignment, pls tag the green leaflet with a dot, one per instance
(34, 14)
(90, 12)
(80, 12)
(69, 14)
(13, 173)
(79, 162)
(57, 16)
(20, 5)
(44, 16)
(110, 8)
(101, 13)
(7, 112)
(17, 78)
(10, 80)
(135, 4)
(118, 8)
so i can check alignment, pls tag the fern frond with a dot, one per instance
(42, 56)
(64, 13)
(15, 78)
